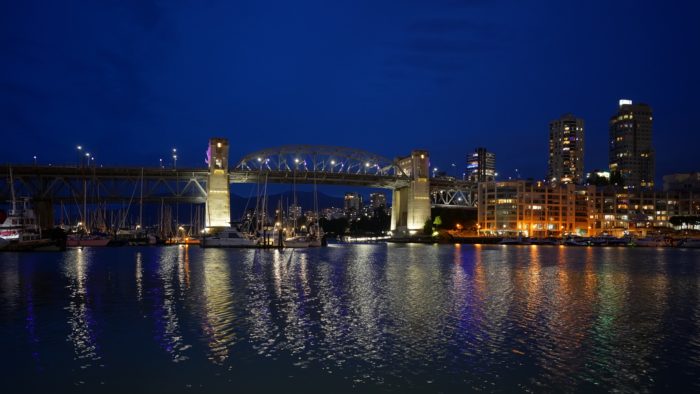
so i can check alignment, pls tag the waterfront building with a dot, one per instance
(618, 211)
(481, 166)
(631, 151)
(534, 209)
(542, 209)
(566, 148)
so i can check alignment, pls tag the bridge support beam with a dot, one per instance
(411, 204)
(218, 207)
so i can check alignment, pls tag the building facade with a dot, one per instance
(352, 204)
(566, 149)
(539, 209)
(481, 166)
(631, 151)
(533, 209)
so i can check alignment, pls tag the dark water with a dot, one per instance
(354, 317)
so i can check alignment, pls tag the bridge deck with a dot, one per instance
(189, 184)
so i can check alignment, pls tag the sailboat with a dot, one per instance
(315, 236)
(296, 241)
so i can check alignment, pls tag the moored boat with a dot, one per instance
(576, 241)
(300, 241)
(545, 241)
(652, 242)
(515, 241)
(81, 240)
(20, 231)
(229, 237)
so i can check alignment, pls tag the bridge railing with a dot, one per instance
(326, 159)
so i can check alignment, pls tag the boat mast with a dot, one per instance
(85, 224)
(141, 203)
(294, 192)
(12, 189)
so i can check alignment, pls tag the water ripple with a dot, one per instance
(365, 317)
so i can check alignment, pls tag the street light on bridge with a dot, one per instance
(79, 153)
(175, 158)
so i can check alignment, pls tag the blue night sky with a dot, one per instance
(131, 79)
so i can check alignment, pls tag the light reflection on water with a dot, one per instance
(218, 317)
(394, 317)
(166, 319)
(81, 319)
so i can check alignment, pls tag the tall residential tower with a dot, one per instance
(566, 139)
(631, 151)
(481, 166)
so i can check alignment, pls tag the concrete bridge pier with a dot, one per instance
(411, 204)
(218, 206)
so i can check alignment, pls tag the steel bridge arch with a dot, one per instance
(320, 158)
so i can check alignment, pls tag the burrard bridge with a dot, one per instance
(414, 192)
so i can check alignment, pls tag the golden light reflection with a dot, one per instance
(219, 315)
(296, 330)
(80, 318)
(183, 267)
(168, 325)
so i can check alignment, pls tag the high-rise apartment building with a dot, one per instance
(352, 202)
(566, 141)
(481, 166)
(631, 150)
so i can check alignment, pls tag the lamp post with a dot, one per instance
(79, 156)
(34, 160)
(175, 158)
(161, 163)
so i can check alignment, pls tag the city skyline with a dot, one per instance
(445, 78)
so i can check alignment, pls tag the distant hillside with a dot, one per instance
(304, 198)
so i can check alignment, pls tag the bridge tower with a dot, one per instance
(218, 207)
(411, 204)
